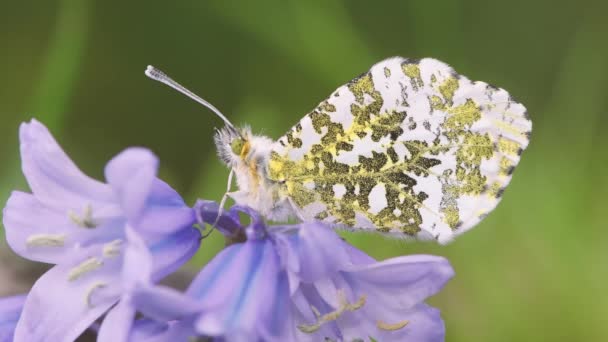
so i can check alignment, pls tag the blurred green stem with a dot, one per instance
(58, 76)
(60, 71)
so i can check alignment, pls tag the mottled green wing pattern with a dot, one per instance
(409, 148)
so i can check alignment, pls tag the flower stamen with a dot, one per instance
(112, 249)
(46, 240)
(315, 311)
(392, 327)
(344, 306)
(95, 286)
(86, 221)
(84, 267)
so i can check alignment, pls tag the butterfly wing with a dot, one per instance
(409, 148)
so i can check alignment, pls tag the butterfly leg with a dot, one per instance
(222, 202)
(296, 210)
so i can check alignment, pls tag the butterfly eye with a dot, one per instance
(237, 145)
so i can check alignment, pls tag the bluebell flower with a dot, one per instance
(120, 324)
(299, 283)
(10, 310)
(80, 224)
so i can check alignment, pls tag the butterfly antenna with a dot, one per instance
(160, 76)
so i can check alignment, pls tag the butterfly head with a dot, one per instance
(233, 144)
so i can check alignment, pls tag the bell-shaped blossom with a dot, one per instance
(342, 294)
(137, 275)
(10, 310)
(299, 283)
(79, 224)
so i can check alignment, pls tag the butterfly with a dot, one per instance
(408, 149)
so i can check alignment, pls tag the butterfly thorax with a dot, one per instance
(247, 155)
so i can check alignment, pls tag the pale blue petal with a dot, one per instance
(207, 212)
(394, 291)
(170, 252)
(400, 282)
(145, 330)
(221, 270)
(239, 300)
(256, 230)
(162, 194)
(304, 300)
(320, 252)
(165, 219)
(131, 174)
(10, 310)
(279, 324)
(164, 304)
(58, 309)
(165, 211)
(424, 324)
(137, 266)
(41, 233)
(52, 176)
(116, 326)
(358, 257)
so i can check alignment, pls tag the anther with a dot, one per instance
(344, 306)
(358, 304)
(93, 288)
(309, 329)
(45, 240)
(112, 249)
(84, 267)
(86, 221)
(392, 327)
(315, 311)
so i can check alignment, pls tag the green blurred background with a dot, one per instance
(535, 270)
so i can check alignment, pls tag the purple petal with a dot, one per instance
(400, 282)
(321, 252)
(41, 233)
(253, 298)
(10, 310)
(165, 220)
(164, 195)
(222, 269)
(146, 330)
(164, 304)
(52, 176)
(422, 324)
(357, 256)
(238, 296)
(131, 174)
(257, 227)
(279, 323)
(165, 211)
(417, 323)
(207, 211)
(59, 309)
(116, 326)
(137, 265)
(138, 268)
(304, 299)
(170, 252)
